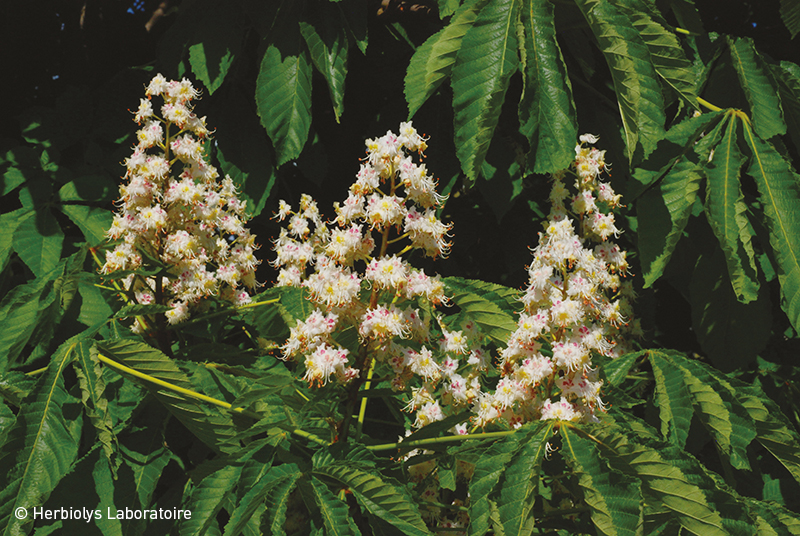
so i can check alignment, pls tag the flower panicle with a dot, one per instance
(173, 207)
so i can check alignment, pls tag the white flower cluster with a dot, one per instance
(394, 199)
(185, 218)
(576, 306)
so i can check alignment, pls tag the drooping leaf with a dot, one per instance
(726, 211)
(673, 176)
(615, 499)
(275, 478)
(283, 90)
(490, 306)
(41, 447)
(759, 88)
(666, 52)
(779, 190)
(381, 496)
(433, 60)
(9, 222)
(38, 240)
(327, 43)
(639, 96)
(484, 64)
(546, 110)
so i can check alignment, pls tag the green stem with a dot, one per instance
(363, 410)
(708, 105)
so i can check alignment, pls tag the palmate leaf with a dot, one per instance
(490, 306)
(661, 479)
(381, 496)
(521, 480)
(484, 65)
(726, 212)
(283, 90)
(546, 110)
(328, 46)
(277, 501)
(759, 88)
(210, 426)
(615, 499)
(639, 95)
(433, 60)
(674, 177)
(42, 446)
(779, 191)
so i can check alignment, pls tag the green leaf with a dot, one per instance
(489, 468)
(673, 400)
(277, 477)
(283, 91)
(381, 496)
(206, 499)
(780, 197)
(92, 385)
(615, 499)
(489, 305)
(546, 110)
(433, 61)
(773, 429)
(41, 447)
(216, 41)
(20, 314)
(327, 43)
(519, 487)
(666, 52)
(240, 143)
(746, 330)
(727, 214)
(673, 175)
(759, 88)
(104, 487)
(662, 479)
(92, 221)
(8, 222)
(639, 96)
(447, 7)
(353, 15)
(484, 65)
(210, 425)
(37, 240)
(787, 77)
(790, 14)
(94, 307)
(334, 512)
